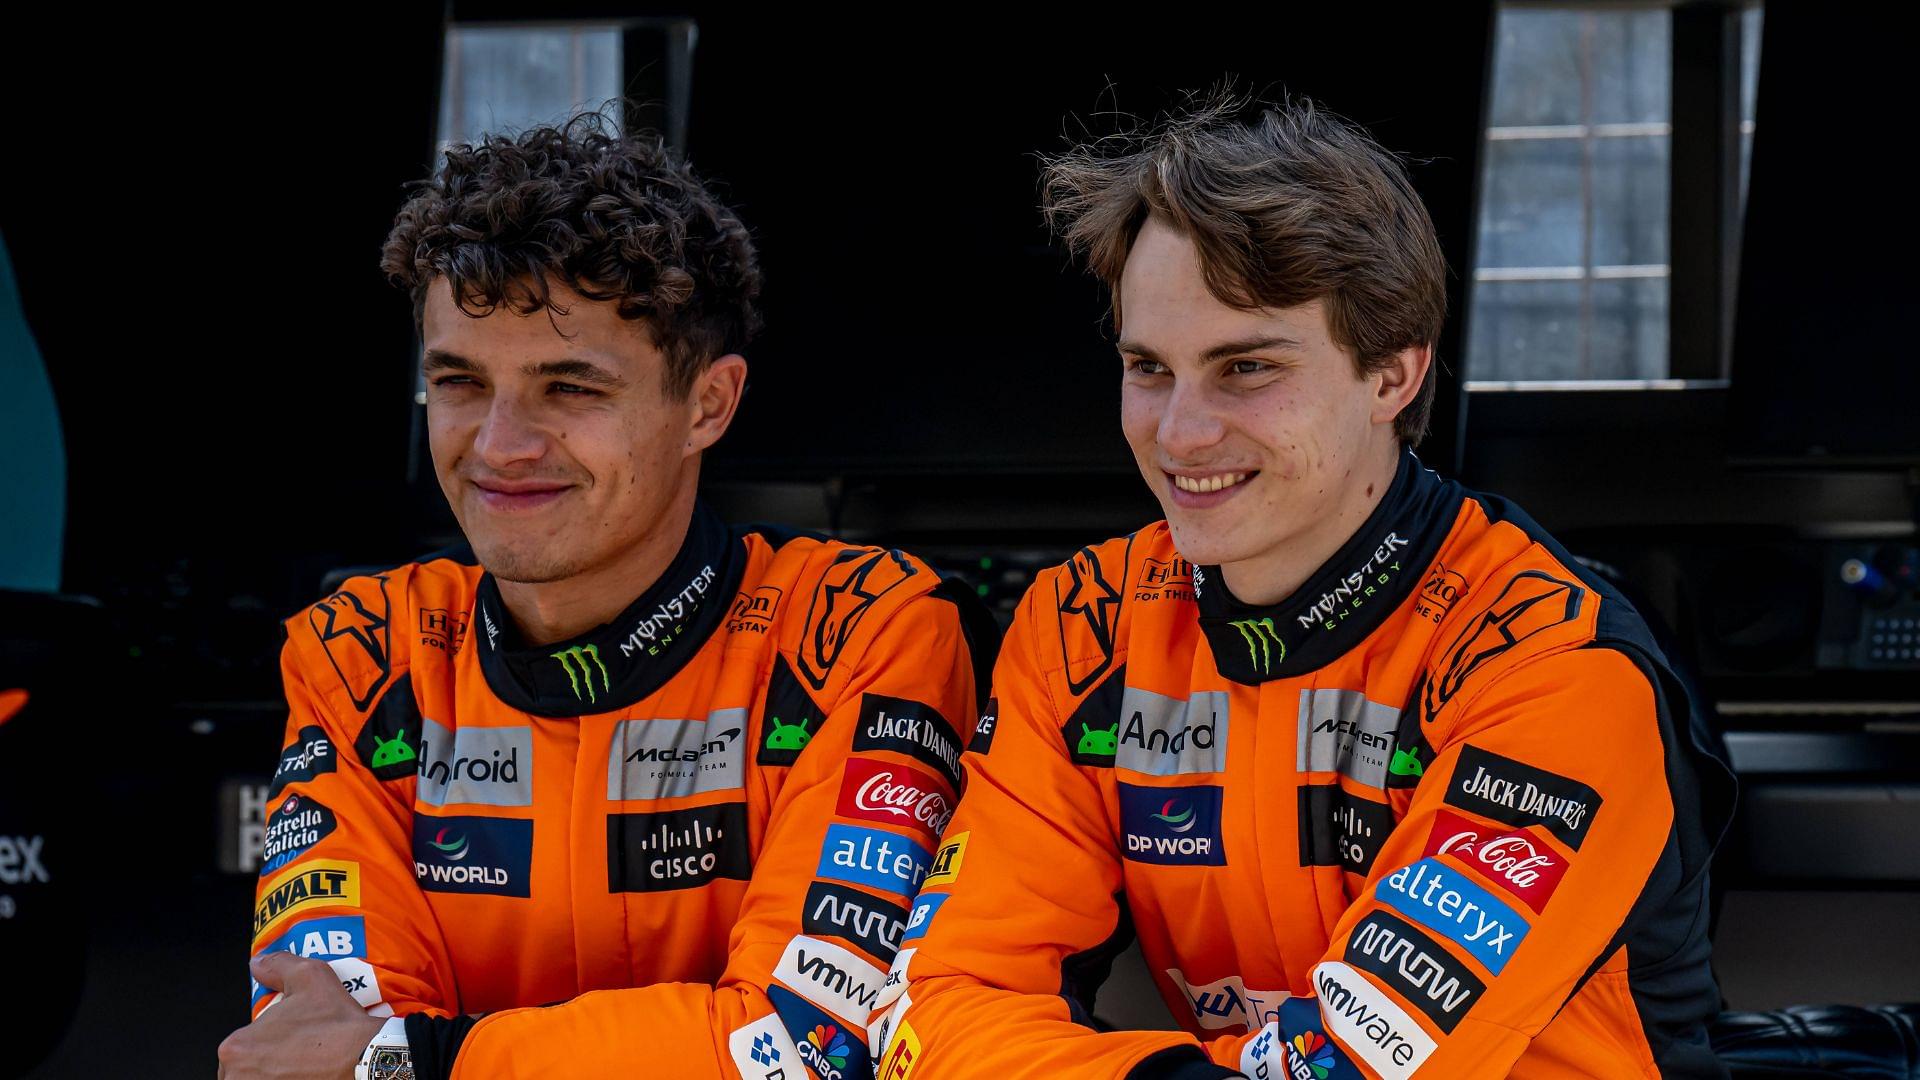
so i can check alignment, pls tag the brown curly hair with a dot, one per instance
(1285, 203)
(614, 217)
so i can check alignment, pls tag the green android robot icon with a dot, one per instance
(394, 751)
(788, 736)
(1098, 743)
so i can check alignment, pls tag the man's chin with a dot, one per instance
(522, 567)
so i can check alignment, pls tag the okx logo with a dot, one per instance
(472, 854)
(580, 662)
(1264, 647)
(1172, 826)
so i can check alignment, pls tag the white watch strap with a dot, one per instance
(386, 1056)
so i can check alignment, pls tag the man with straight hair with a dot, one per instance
(673, 779)
(1384, 780)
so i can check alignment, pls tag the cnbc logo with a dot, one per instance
(1264, 646)
(575, 662)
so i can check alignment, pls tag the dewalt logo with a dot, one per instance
(1264, 647)
(576, 658)
(307, 884)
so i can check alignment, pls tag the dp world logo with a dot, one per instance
(1263, 643)
(452, 850)
(576, 658)
(1176, 820)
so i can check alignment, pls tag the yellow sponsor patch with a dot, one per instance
(946, 863)
(304, 885)
(902, 1052)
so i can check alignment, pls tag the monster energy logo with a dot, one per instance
(1262, 641)
(578, 655)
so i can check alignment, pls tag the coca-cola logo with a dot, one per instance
(895, 795)
(1523, 864)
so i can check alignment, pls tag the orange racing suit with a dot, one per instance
(1442, 810)
(695, 829)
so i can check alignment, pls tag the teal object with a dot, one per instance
(33, 458)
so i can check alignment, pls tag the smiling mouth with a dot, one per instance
(1202, 485)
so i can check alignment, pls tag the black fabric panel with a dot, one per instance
(435, 1042)
(1083, 973)
(1179, 1063)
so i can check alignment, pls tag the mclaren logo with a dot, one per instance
(578, 657)
(1264, 647)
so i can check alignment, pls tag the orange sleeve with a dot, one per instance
(1529, 841)
(337, 880)
(794, 995)
(985, 984)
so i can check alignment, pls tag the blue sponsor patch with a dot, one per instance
(472, 854)
(1438, 896)
(298, 823)
(1172, 826)
(831, 1049)
(874, 858)
(924, 909)
(332, 938)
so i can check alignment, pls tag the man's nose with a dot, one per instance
(508, 434)
(1190, 424)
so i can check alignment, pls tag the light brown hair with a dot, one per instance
(1286, 203)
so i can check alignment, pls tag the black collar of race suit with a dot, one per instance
(1346, 599)
(622, 662)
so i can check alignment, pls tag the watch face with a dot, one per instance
(390, 1063)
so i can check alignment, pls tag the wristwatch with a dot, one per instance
(387, 1057)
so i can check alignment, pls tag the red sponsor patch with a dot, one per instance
(895, 795)
(1518, 861)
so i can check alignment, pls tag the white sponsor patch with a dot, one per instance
(1260, 1057)
(1227, 1002)
(664, 759)
(763, 1050)
(1163, 736)
(896, 983)
(492, 766)
(358, 979)
(878, 1034)
(831, 977)
(1375, 1029)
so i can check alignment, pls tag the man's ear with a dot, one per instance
(1400, 381)
(712, 400)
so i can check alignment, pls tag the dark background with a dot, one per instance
(194, 212)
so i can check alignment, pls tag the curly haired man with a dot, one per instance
(617, 782)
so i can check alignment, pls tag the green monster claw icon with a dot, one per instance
(1262, 639)
(394, 751)
(788, 736)
(579, 655)
(1406, 763)
(1098, 743)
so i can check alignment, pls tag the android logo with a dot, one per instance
(1405, 763)
(1103, 743)
(394, 751)
(788, 736)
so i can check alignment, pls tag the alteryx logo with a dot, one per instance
(1171, 825)
(1264, 647)
(581, 662)
(1441, 898)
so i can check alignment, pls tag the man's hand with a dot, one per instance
(314, 1032)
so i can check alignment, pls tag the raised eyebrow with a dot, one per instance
(584, 371)
(1227, 349)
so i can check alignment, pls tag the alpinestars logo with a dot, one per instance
(1097, 603)
(577, 658)
(1264, 647)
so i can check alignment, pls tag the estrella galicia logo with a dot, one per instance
(860, 917)
(299, 823)
(1172, 826)
(1339, 828)
(789, 720)
(677, 849)
(825, 1044)
(309, 755)
(358, 639)
(389, 742)
(913, 728)
(581, 663)
(1521, 795)
(848, 590)
(1264, 647)
(472, 854)
(1095, 603)
(1532, 603)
